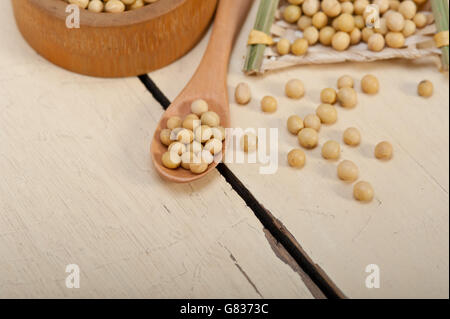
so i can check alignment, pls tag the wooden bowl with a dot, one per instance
(114, 44)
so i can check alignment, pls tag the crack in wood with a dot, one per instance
(241, 269)
(245, 275)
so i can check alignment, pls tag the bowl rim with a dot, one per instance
(57, 8)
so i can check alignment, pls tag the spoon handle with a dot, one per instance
(230, 16)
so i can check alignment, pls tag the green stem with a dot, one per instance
(440, 12)
(264, 21)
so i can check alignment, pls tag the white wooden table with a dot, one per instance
(77, 187)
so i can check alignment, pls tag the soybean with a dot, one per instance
(348, 171)
(352, 136)
(296, 158)
(384, 151)
(294, 89)
(327, 113)
(370, 84)
(425, 88)
(242, 94)
(331, 150)
(269, 104)
(294, 124)
(328, 96)
(308, 138)
(171, 160)
(363, 191)
(347, 97)
(312, 121)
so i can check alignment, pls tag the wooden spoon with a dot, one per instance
(208, 83)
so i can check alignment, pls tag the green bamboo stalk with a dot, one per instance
(264, 21)
(440, 12)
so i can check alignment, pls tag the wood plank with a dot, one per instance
(405, 229)
(77, 187)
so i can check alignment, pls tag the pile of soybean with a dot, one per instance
(194, 141)
(111, 6)
(343, 23)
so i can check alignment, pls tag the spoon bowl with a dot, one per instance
(182, 108)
